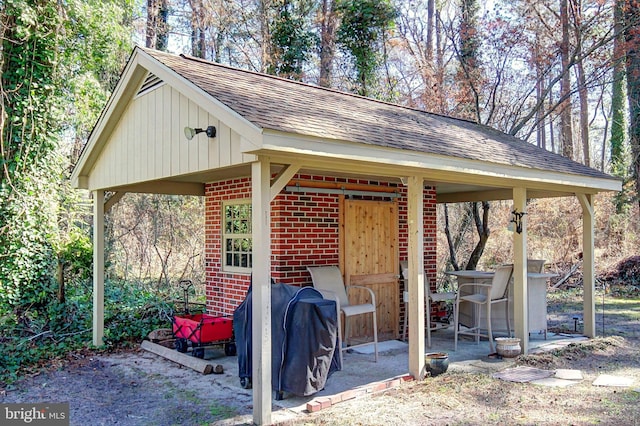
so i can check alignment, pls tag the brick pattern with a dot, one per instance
(305, 231)
(321, 403)
(225, 290)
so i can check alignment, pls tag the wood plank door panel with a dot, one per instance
(371, 260)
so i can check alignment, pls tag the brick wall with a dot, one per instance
(225, 290)
(305, 231)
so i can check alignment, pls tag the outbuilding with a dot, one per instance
(295, 175)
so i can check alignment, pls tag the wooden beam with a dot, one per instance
(520, 294)
(117, 196)
(342, 185)
(282, 179)
(415, 220)
(261, 291)
(98, 267)
(588, 267)
(164, 187)
(196, 364)
(493, 195)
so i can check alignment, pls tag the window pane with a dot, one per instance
(237, 241)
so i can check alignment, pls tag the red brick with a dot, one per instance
(377, 387)
(304, 231)
(314, 406)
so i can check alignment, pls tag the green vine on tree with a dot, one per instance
(361, 33)
(30, 84)
(291, 39)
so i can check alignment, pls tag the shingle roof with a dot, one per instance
(274, 103)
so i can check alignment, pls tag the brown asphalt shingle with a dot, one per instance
(274, 103)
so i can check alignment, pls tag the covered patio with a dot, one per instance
(270, 134)
(363, 377)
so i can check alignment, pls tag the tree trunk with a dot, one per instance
(162, 32)
(431, 5)
(61, 283)
(453, 259)
(265, 13)
(152, 22)
(582, 84)
(469, 72)
(618, 122)
(440, 65)
(482, 227)
(327, 42)
(541, 131)
(552, 135)
(198, 36)
(632, 36)
(157, 27)
(566, 133)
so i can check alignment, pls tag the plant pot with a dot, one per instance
(508, 347)
(436, 363)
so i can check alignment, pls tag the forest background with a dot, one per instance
(561, 74)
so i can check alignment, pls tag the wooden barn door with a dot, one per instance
(370, 259)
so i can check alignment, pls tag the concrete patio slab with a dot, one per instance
(614, 381)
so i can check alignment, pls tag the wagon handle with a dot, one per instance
(186, 285)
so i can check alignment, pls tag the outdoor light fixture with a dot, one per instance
(190, 132)
(516, 218)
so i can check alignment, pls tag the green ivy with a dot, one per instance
(31, 85)
(132, 310)
(291, 38)
(361, 33)
(58, 62)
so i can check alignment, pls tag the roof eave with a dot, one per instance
(393, 161)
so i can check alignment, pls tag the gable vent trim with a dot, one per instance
(152, 82)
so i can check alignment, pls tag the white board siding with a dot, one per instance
(149, 143)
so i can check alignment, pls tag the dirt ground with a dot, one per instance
(458, 398)
(132, 387)
(135, 388)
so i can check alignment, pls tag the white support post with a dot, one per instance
(520, 294)
(588, 265)
(98, 267)
(415, 213)
(261, 291)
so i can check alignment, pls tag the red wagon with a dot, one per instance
(201, 330)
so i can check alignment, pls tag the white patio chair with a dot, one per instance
(328, 280)
(485, 294)
(429, 298)
(535, 265)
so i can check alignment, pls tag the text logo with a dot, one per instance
(35, 414)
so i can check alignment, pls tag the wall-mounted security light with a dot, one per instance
(516, 219)
(190, 132)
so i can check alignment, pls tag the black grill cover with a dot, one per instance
(304, 339)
